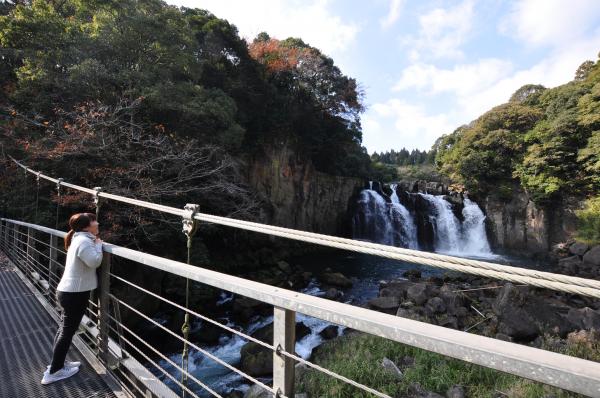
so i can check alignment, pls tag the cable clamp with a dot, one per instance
(190, 224)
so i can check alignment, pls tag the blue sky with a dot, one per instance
(429, 66)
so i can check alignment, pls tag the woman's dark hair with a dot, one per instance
(77, 223)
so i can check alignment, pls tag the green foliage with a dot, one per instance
(589, 221)
(384, 172)
(195, 74)
(359, 357)
(404, 158)
(542, 139)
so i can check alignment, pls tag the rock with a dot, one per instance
(257, 391)
(453, 300)
(514, 320)
(570, 264)
(584, 318)
(503, 337)
(336, 279)
(395, 289)
(412, 274)
(436, 305)
(416, 391)
(333, 294)
(522, 316)
(257, 360)
(448, 322)
(592, 257)
(578, 248)
(456, 392)
(247, 307)
(235, 394)
(391, 368)
(389, 305)
(329, 332)
(284, 266)
(418, 293)
(403, 312)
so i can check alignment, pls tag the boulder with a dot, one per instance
(336, 279)
(570, 265)
(453, 300)
(257, 391)
(521, 316)
(418, 293)
(395, 288)
(456, 392)
(333, 294)
(584, 318)
(416, 391)
(436, 305)
(578, 248)
(329, 332)
(592, 257)
(391, 368)
(257, 360)
(284, 266)
(389, 305)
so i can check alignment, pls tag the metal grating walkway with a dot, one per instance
(26, 335)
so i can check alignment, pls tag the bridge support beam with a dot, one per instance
(103, 311)
(284, 336)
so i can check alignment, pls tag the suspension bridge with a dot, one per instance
(118, 362)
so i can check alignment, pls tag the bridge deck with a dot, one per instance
(26, 335)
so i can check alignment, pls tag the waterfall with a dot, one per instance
(383, 222)
(473, 231)
(407, 223)
(372, 221)
(446, 226)
(435, 224)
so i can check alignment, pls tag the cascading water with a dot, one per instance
(383, 222)
(446, 225)
(393, 224)
(473, 230)
(408, 227)
(372, 219)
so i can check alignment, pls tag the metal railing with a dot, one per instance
(34, 249)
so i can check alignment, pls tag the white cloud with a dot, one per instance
(550, 22)
(412, 126)
(393, 13)
(442, 32)
(310, 20)
(462, 79)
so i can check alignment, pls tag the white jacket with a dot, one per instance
(83, 257)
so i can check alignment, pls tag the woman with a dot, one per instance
(84, 255)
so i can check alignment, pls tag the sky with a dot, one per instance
(429, 66)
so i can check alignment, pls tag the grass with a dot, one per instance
(358, 356)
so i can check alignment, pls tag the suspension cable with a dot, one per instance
(565, 283)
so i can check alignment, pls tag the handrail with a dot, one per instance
(559, 282)
(570, 373)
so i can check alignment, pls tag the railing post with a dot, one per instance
(284, 337)
(31, 253)
(53, 259)
(104, 299)
(15, 242)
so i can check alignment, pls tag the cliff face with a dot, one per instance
(298, 196)
(520, 225)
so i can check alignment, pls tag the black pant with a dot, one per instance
(73, 305)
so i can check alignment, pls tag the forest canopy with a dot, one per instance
(193, 74)
(545, 140)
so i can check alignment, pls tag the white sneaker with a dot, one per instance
(69, 364)
(60, 374)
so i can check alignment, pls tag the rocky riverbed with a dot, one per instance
(498, 309)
